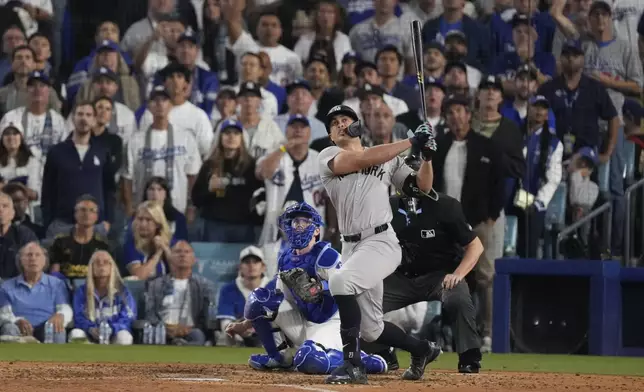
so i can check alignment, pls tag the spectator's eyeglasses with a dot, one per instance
(86, 209)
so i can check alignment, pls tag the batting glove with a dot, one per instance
(422, 134)
(429, 149)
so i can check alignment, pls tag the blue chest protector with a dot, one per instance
(321, 256)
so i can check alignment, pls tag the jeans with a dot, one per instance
(11, 329)
(616, 186)
(229, 232)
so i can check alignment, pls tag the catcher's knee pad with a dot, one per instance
(263, 303)
(312, 358)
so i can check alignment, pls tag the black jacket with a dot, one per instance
(509, 140)
(483, 186)
(10, 244)
(411, 120)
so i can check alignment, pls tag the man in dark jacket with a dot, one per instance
(12, 237)
(18, 193)
(453, 18)
(75, 167)
(468, 168)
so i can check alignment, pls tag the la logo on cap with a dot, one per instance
(367, 87)
(491, 79)
(37, 74)
(106, 42)
(249, 85)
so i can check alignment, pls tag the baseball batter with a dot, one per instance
(357, 181)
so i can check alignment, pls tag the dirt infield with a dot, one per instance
(112, 377)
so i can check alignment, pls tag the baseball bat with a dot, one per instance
(417, 46)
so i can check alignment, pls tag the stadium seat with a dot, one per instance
(556, 213)
(511, 235)
(137, 289)
(217, 262)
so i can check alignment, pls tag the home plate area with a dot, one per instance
(114, 377)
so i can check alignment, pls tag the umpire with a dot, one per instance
(439, 250)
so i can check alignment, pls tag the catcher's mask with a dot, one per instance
(299, 222)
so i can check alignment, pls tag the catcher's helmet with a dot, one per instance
(344, 111)
(299, 222)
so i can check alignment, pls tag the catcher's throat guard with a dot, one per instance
(299, 223)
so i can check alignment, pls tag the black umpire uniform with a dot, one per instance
(433, 234)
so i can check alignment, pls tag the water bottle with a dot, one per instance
(147, 333)
(160, 334)
(49, 332)
(104, 333)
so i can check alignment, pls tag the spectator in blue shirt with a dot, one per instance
(453, 18)
(434, 62)
(232, 296)
(542, 22)
(300, 101)
(77, 166)
(525, 86)
(32, 299)
(148, 253)
(103, 297)
(579, 102)
(204, 83)
(390, 62)
(524, 37)
(500, 29)
(107, 30)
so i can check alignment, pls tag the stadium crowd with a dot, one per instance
(131, 129)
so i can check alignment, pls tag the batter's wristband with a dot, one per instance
(283, 148)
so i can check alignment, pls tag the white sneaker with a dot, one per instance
(11, 339)
(486, 347)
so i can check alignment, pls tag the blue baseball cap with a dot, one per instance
(38, 76)
(572, 47)
(189, 35)
(105, 72)
(159, 91)
(107, 44)
(435, 45)
(230, 123)
(540, 100)
(633, 110)
(590, 154)
(433, 82)
(298, 118)
(296, 84)
(350, 56)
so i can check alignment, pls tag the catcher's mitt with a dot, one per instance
(307, 288)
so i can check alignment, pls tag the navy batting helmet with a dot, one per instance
(340, 110)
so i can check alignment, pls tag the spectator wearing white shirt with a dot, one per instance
(300, 102)
(287, 66)
(161, 150)
(251, 71)
(384, 28)
(141, 31)
(262, 134)
(105, 84)
(368, 76)
(43, 127)
(184, 114)
(17, 163)
(37, 11)
(626, 16)
(328, 26)
(456, 49)
(109, 56)
(423, 10)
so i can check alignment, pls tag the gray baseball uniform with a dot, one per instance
(361, 200)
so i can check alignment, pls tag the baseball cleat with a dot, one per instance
(468, 368)
(263, 362)
(417, 367)
(347, 374)
(390, 356)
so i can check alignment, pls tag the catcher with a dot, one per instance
(301, 305)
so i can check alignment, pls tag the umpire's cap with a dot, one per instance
(338, 110)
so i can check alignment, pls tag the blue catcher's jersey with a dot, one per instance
(322, 257)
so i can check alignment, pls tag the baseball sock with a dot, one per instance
(393, 336)
(349, 327)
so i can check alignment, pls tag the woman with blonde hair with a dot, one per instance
(147, 253)
(103, 297)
